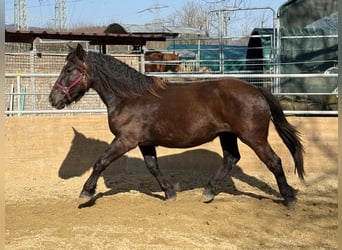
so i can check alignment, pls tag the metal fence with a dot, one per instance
(261, 59)
(30, 74)
(21, 100)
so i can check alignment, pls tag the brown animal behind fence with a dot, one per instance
(160, 58)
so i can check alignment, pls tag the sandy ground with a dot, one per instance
(43, 182)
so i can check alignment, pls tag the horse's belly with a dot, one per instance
(184, 137)
(188, 143)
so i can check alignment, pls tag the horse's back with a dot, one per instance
(197, 112)
(227, 93)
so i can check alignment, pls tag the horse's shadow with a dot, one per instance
(191, 169)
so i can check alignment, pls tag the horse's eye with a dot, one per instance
(69, 70)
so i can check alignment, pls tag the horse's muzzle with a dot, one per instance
(58, 104)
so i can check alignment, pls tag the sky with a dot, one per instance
(41, 13)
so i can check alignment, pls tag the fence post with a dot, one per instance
(142, 61)
(10, 108)
(18, 75)
(221, 31)
(32, 71)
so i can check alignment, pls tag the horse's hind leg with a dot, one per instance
(231, 156)
(273, 162)
(150, 158)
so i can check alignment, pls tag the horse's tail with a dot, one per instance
(288, 133)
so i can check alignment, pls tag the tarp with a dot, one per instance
(234, 56)
(259, 53)
(308, 44)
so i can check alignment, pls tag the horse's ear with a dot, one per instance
(75, 131)
(80, 52)
(69, 46)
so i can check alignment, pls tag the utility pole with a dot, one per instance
(157, 22)
(157, 19)
(60, 15)
(20, 15)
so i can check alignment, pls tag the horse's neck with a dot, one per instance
(110, 100)
(106, 96)
(114, 80)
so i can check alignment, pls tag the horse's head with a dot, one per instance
(73, 81)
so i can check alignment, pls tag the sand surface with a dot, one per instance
(48, 165)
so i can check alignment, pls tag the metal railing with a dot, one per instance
(16, 97)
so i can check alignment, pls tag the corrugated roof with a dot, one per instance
(150, 29)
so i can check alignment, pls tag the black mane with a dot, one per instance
(120, 78)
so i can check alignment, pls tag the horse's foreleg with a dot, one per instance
(150, 158)
(231, 156)
(115, 150)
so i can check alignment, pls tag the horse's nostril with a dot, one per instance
(52, 100)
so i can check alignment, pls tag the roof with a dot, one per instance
(150, 29)
(93, 38)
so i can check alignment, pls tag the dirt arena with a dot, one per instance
(50, 157)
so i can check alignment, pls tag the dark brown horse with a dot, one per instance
(162, 64)
(145, 112)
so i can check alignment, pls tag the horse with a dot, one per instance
(146, 112)
(161, 67)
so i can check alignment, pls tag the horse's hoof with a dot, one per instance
(171, 194)
(290, 202)
(207, 197)
(85, 195)
(171, 197)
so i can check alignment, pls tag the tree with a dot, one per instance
(204, 15)
(193, 15)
